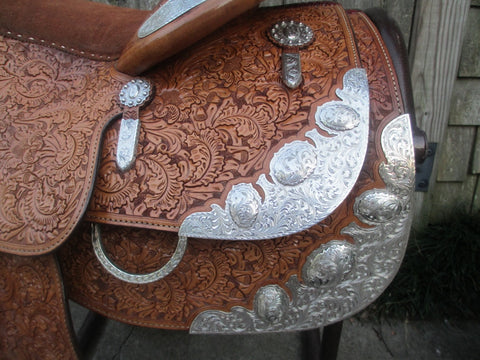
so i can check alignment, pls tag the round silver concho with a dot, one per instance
(244, 203)
(135, 93)
(377, 206)
(294, 163)
(271, 303)
(338, 117)
(291, 34)
(329, 264)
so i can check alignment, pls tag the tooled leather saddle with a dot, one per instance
(255, 178)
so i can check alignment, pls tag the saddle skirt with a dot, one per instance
(304, 147)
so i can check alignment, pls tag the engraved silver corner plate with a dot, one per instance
(309, 179)
(339, 278)
(133, 94)
(165, 14)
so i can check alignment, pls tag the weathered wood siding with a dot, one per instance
(443, 38)
(457, 182)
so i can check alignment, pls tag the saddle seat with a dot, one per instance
(85, 28)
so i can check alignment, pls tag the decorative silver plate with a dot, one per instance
(309, 179)
(339, 278)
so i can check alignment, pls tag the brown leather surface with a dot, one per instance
(221, 274)
(54, 107)
(219, 113)
(81, 27)
(33, 319)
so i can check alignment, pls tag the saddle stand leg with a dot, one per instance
(322, 343)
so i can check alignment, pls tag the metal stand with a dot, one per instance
(324, 347)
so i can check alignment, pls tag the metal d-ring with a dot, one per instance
(136, 278)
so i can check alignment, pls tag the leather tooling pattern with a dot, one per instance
(54, 107)
(217, 275)
(33, 319)
(218, 115)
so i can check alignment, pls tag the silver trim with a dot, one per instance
(309, 178)
(165, 14)
(136, 278)
(127, 143)
(379, 251)
(291, 70)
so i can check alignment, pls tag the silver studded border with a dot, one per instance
(310, 179)
(378, 251)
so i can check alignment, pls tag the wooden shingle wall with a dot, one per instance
(444, 44)
(458, 180)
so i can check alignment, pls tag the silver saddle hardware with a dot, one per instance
(309, 181)
(291, 36)
(133, 96)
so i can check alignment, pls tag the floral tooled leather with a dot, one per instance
(34, 323)
(218, 275)
(54, 107)
(219, 113)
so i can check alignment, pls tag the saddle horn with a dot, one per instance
(173, 26)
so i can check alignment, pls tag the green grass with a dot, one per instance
(440, 274)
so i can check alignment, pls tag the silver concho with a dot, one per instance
(244, 203)
(337, 116)
(294, 163)
(377, 206)
(329, 264)
(135, 93)
(291, 33)
(271, 303)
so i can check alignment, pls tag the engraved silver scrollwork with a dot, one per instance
(127, 143)
(309, 179)
(134, 94)
(136, 278)
(271, 303)
(291, 70)
(378, 250)
(165, 14)
(329, 264)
